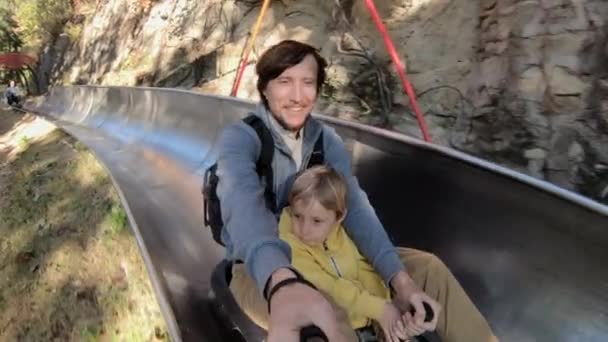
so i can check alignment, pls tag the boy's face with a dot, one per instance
(292, 95)
(312, 223)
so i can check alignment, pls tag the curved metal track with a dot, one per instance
(533, 257)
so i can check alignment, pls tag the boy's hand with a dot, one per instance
(411, 328)
(392, 324)
(408, 295)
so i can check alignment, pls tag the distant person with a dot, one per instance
(12, 94)
(265, 284)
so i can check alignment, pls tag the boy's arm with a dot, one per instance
(249, 223)
(342, 291)
(362, 223)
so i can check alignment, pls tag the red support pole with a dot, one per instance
(395, 57)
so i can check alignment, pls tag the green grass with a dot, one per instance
(24, 142)
(90, 334)
(70, 266)
(116, 220)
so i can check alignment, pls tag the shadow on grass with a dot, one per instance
(11, 119)
(70, 268)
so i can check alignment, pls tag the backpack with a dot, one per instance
(211, 203)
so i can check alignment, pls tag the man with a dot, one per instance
(12, 94)
(290, 77)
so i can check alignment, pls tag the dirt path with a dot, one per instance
(70, 269)
(8, 121)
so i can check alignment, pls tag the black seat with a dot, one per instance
(230, 315)
(236, 322)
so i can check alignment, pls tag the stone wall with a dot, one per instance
(540, 89)
(523, 83)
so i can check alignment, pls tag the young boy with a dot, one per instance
(324, 254)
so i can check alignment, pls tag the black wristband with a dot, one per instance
(285, 282)
(267, 286)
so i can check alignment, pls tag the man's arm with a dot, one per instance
(365, 229)
(362, 223)
(252, 227)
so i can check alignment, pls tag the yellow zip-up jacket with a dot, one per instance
(340, 271)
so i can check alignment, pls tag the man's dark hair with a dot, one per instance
(282, 56)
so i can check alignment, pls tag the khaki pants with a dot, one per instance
(459, 321)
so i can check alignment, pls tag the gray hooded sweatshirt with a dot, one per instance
(251, 230)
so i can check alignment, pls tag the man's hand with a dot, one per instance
(407, 295)
(296, 306)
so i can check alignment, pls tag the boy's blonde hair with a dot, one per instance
(323, 184)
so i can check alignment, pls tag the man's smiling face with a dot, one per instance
(291, 96)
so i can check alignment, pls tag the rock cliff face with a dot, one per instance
(521, 83)
(540, 87)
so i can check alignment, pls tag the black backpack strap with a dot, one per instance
(317, 157)
(264, 163)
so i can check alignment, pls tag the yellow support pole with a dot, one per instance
(256, 29)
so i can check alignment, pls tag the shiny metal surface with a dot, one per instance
(533, 257)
